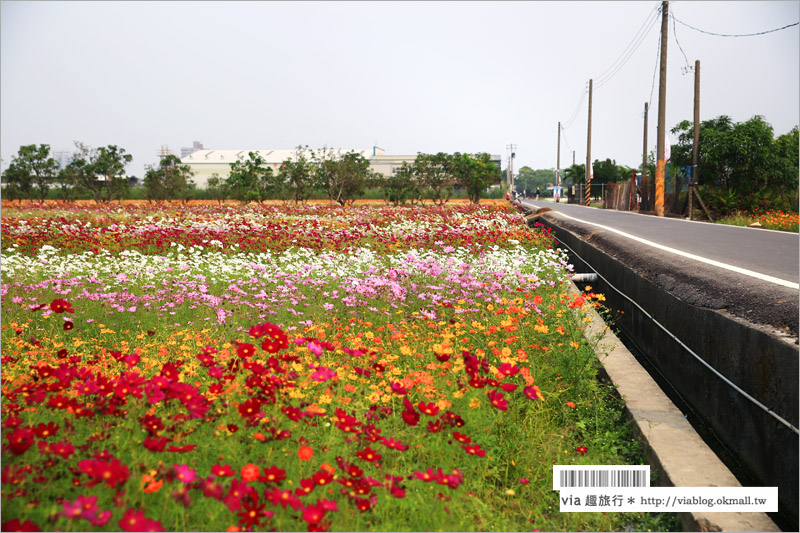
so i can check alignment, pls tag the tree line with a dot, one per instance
(741, 166)
(343, 177)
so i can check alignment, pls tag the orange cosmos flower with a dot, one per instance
(305, 453)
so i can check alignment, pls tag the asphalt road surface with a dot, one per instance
(772, 256)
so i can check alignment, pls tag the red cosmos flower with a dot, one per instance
(133, 520)
(222, 471)
(362, 504)
(460, 437)
(497, 399)
(427, 476)
(238, 491)
(435, 426)
(245, 350)
(283, 498)
(398, 388)
(394, 444)
(571, 405)
(68, 325)
(211, 489)
(44, 431)
(474, 449)
(16, 525)
(180, 449)
(273, 474)
(252, 512)
(63, 449)
(533, 392)
(151, 423)
(307, 486)
(250, 472)
(249, 408)
(368, 454)
(313, 514)
(156, 444)
(111, 472)
(61, 306)
(581, 449)
(443, 357)
(430, 408)
(322, 477)
(20, 440)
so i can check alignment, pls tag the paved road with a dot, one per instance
(771, 254)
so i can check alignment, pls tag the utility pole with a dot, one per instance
(694, 181)
(586, 193)
(662, 111)
(696, 141)
(512, 154)
(558, 159)
(645, 188)
(573, 158)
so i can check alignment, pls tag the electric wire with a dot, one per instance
(688, 67)
(691, 352)
(655, 69)
(733, 35)
(577, 108)
(602, 80)
(564, 134)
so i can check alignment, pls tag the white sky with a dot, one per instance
(413, 76)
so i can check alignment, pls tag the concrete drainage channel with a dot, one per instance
(672, 444)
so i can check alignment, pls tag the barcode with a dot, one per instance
(600, 476)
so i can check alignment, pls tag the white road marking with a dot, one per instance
(757, 275)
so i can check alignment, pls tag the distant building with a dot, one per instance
(186, 152)
(206, 163)
(63, 158)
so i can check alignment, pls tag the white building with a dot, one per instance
(206, 163)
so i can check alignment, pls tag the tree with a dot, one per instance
(433, 171)
(67, 179)
(298, 175)
(575, 174)
(101, 171)
(344, 177)
(169, 180)
(250, 179)
(743, 160)
(217, 188)
(18, 183)
(474, 173)
(33, 171)
(400, 186)
(529, 180)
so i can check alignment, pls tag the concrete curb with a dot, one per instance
(671, 444)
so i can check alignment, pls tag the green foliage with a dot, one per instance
(343, 177)
(434, 172)
(297, 176)
(250, 179)
(31, 172)
(217, 188)
(474, 173)
(743, 160)
(400, 186)
(529, 180)
(168, 181)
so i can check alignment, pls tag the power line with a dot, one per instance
(577, 108)
(564, 133)
(628, 51)
(687, 67)
(734, 35)
(655, 69)
(638, 39)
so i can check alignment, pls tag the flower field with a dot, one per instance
(295, 368)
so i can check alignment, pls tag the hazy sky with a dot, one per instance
(411, 76)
